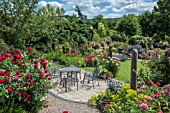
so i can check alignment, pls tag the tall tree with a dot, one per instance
(129, 25)
(13, 16)
(161, 21)
(145, 21)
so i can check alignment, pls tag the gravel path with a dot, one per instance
(57, 105)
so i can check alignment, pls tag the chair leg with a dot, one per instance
(93, 85)
(98, 83)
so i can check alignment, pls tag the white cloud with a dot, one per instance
(54, 4)
(108, 8)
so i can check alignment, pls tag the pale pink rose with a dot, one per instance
(143, 106)
(148, 98)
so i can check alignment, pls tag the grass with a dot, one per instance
(125, 70)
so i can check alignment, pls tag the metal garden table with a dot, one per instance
(69, 70)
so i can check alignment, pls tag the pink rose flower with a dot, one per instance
(17, 51)
(25, 100)
(10, 90)
(143, 106)
(29, 49)
(23, 84)
(16, 79)
(158, 83)
(148, 98)
(28, 76)
(19, 94)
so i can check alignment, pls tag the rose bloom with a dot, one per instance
(148, 98)
(25, 100)
(159, 111)
(143, 106)
(149, 82)
(16, 79)
(8, 51)
(44, 86)
(2, 73)
(29, 49)
(141, 70)
(10, 90)
(23, 84)
(2, 81)
(7, 73)
(7, 79)
(19, 63)
(19, 94)
(158, 83)
(17, 51)
(35, 65)
(65, 111)
(156, 94)
(28, 76)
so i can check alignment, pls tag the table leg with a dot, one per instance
(65, 84)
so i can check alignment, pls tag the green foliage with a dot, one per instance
(119, 37)
(145, 20)
(101, 29)
(159, 65)
(11, 107)
(65, 58)
(129, 25)
(142, 41)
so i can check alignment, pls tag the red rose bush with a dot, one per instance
(24, 79)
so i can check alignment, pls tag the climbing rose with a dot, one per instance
(143, 106)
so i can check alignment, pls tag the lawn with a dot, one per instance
(125, 70)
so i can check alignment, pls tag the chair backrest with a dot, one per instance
(71, 64)
(96, 73)
(50, 70)
(56, 65)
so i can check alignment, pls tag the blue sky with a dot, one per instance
(108, 8)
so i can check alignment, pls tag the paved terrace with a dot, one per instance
(82, 94)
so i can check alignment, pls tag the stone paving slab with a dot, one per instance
(82, 94)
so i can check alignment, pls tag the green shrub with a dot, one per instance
(24, 79)
(160, 65)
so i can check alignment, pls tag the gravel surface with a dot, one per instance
(57, 105)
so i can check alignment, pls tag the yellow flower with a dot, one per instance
(126, 86)
(115, 96)
(142, 96)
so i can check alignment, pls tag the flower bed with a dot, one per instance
(148, 98)
(24, 80)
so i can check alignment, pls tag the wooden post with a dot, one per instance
(134, 61)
